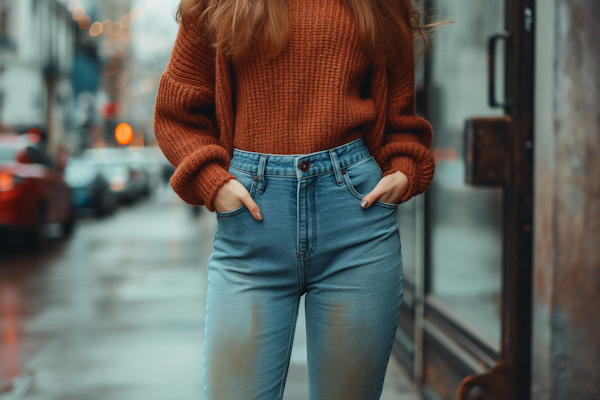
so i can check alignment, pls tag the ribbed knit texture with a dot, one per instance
(321, 92)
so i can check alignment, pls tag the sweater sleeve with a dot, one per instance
(184, 119)
(407, 137)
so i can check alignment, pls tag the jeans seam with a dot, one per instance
(301, 276)
(243, 171)
(314, 221)
(289, 355)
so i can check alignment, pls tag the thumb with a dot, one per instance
(372, 196)
(252, 207)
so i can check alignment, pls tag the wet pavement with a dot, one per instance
(117, 312)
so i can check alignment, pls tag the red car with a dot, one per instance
(33, 192)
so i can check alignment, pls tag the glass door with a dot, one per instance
(467, 242)
(464, 221)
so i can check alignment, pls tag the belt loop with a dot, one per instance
(261, 173)
(336, 167)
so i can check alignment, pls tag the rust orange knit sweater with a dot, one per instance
(321, 92)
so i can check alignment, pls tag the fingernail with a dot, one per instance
(259, 216)
(364, 204)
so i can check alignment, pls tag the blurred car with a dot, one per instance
(167, 168)
(153, 154)
(153, 167)
(139, 175)
(115, 170)
(33, 192)
(146, 162)
(89, 187)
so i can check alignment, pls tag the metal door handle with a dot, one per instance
(492, 41)
(487, 151)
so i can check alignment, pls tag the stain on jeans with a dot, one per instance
(233, 363)
(349, 367)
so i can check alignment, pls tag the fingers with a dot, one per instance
(252, 206)
(372, 196)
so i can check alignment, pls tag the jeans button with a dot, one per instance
(304, 166)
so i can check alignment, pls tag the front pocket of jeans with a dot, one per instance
(366, 174)
(230, 213)
(247, 180)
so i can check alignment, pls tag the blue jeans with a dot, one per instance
(315, 240)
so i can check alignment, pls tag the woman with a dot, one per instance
(294, 121)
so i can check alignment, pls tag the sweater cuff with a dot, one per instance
(406, 165)
(210, 177)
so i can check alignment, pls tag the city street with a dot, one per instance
(117, 311)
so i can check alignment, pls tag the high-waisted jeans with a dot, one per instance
(315, 240)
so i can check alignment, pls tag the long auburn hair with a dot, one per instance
(387, 28)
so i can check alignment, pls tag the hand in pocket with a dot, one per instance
(231, 195)
(390, 189)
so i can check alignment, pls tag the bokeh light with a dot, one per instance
(6, 181)
(124, 133)
(96, 28)
(116, 28)
(137, 12)
(78, 13)
(34, 135)
(107, 25)
(73, 4)
(126, 21)
(84, 22)
(117, 183)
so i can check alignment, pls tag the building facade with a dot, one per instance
(37, 44)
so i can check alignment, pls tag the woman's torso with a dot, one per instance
(311, 97)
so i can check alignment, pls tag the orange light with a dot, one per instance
(10, 336)
(116, 28)
(84, 23)
(78, 13)
(106, 26)
(117, 183)
(6, 181)
(124, 133)
(126, 21)
(96, 28)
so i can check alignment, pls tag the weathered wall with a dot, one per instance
(566, 348)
